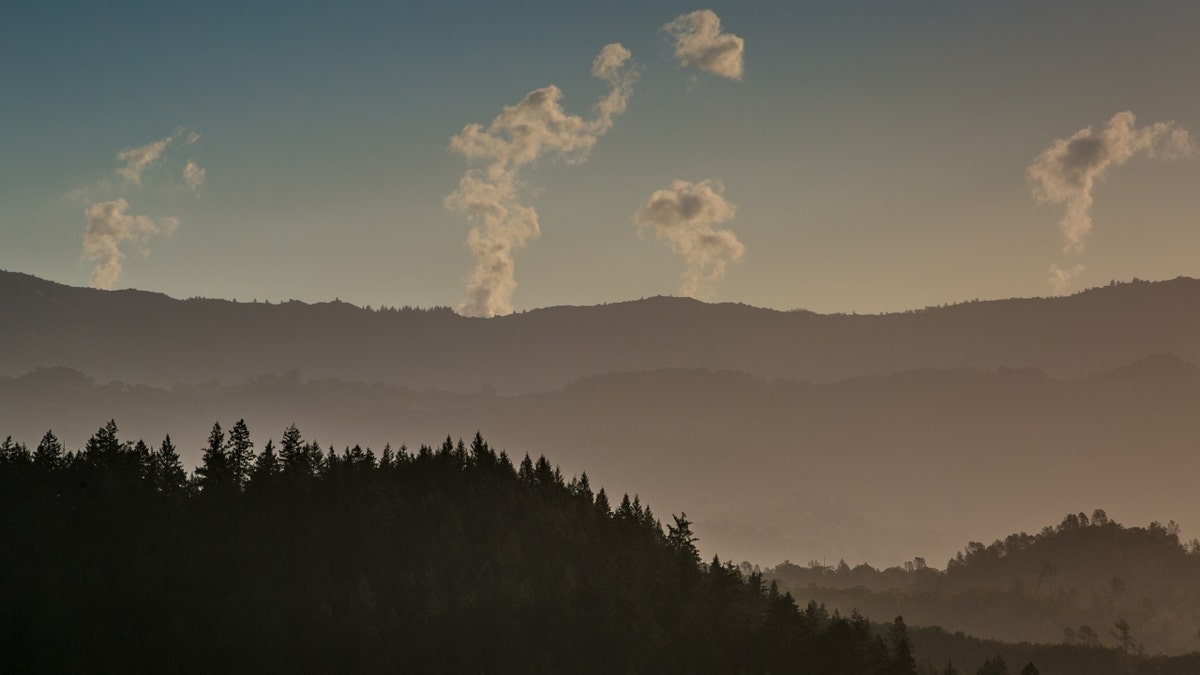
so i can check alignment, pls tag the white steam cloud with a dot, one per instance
(684, 216)
(138, 159)
(193, 177)
(1067, 171)
(108, 227)
(490, 192)
(700, 42)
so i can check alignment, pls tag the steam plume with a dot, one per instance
(490, 192)
(699, 40)
(108, 227)
(1067, 171)
(138, 159)
(1062, 279)
(684, 216)
(193, 177)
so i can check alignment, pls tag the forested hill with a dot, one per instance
(138, 336)
(1074, 583)
(840, 470)
(438, 560)
(288, 558)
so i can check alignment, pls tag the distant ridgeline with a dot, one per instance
(443, 560)
(1088, 581)
(149, 338)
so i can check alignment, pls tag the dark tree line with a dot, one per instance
(447, 559)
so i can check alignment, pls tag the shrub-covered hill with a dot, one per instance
(443, 560)
(1072, 583)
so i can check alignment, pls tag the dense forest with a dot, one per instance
(448, 559)
(1074, 583)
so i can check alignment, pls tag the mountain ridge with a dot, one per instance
(144, 336)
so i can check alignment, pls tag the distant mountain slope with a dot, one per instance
(769, 469)
(1069, 583)
(138, 336)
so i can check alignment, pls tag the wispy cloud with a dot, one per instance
(137, 160)
(699, 41)
(133, 163)
(490, 193)
(1066, 173)
(684, 216)
(109, 227)
(193, 177)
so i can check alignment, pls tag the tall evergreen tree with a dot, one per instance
(292, 452)
(49, 453)
(103, 445)
(215, 472)
(266, 465)
(903, 662)
(241, 453)
(169, 472)
(681, 540)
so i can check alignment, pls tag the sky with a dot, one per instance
(853, 157)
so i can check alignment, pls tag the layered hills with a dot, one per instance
(786, 435)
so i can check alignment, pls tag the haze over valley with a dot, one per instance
(625, 337)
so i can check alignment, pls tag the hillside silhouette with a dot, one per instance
(144, 337)
(1069, 584)
(290, 558)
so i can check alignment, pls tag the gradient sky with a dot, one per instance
(876, 152)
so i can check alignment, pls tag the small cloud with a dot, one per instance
(108, 228)
(192, 137)
(193, 177)
(684, 216)
(700, 42)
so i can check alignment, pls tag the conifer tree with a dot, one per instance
(103, 445)
(49, 453)
(602, 505)
(903, 662)
(169, 472)
(266, 465)
(681, 540)
(241, 453)
(291, 450)
(215, 472)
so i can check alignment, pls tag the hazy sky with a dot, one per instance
(873, 156)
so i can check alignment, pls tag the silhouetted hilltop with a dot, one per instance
(1068, 584)
(1155, 367)
(138, 336)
